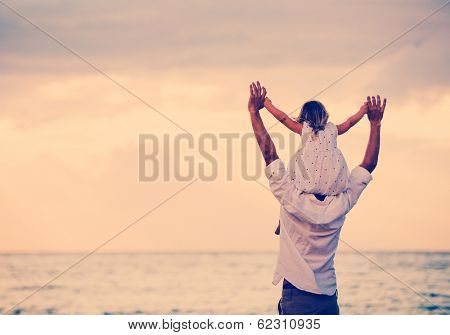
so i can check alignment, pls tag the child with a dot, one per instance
(318, 167)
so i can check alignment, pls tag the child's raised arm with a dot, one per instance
(352, 120)
(281, 116)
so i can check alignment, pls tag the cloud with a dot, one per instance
(169, 34)
(69, 136)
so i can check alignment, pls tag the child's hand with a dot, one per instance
(267, 102)
(364, 108)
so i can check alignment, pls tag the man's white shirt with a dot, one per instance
(310, 229)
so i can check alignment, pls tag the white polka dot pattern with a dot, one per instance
(319, 166)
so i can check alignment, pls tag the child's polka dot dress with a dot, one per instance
(319, 166)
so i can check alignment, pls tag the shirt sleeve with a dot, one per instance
(357, 182)
(333, 127)
(277, 176)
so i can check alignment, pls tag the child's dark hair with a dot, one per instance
(315, 114)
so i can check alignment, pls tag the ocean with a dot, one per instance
(214, 283)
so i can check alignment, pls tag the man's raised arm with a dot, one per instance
(255, 103)
(375, 114)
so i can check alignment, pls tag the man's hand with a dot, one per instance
(257, 96)
(255, 103)
(375, 114)
(375, 110)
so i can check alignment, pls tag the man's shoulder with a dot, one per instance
(360, 175)
(275, 169)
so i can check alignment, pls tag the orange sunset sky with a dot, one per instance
(69, 136)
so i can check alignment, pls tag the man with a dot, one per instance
(311, 224)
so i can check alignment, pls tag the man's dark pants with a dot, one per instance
(297, 302)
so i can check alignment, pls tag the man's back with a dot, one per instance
(310, 229)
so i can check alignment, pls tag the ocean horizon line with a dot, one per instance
(143, 252)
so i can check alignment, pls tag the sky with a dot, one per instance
(70, 136)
